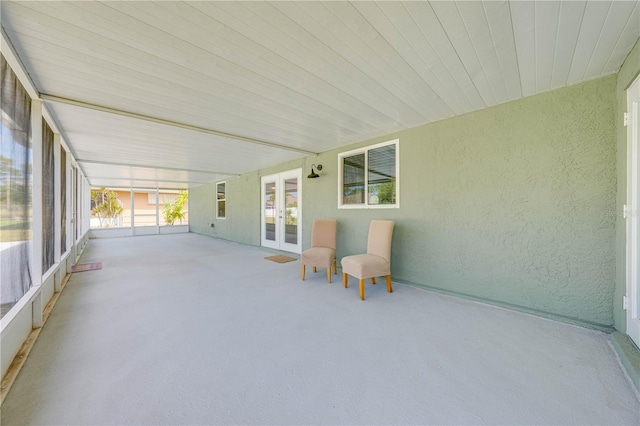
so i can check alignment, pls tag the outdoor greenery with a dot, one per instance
(15, 230)
(15, 202)
(175, 210)
(106, 206)
(386, 192)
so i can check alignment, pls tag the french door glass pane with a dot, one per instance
(291, 211)
(270, 211)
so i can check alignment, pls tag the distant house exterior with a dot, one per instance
(144, 203)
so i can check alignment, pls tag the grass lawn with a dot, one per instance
(15, 230)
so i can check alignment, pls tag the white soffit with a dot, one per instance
(109, 140)
(308, 75)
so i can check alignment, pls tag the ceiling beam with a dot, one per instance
(14, 61)
(58, 99)
(175, 169)
(105, 178)
(131, 187)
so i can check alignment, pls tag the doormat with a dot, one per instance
(82, 267)
(280, 258)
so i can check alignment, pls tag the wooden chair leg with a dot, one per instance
(373, 280)
(302, 272)
(361, 289)
(335, 267)
(329, 274)
(345, 278)
(389, 287)
(314, 269)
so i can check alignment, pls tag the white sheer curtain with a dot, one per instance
(48, 195)
(63, 201)
(15, 189)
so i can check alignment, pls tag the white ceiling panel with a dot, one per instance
(546, 19)
(442, 57)
(177, 93)
(498, 18)
(111, 139)
(486, 50)
(452, 21)
(626, 41)
(524, 33)
(406, 36)
(568, 28)
(610, 34)
(593, 20)
(397, 27)
(148, 177)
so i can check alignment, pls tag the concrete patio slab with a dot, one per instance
(186, 329)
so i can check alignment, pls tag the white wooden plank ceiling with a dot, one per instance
(303, 76)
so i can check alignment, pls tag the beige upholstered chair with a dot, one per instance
(377, 261)
(323, 247)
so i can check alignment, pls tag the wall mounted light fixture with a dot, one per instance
(313, 174)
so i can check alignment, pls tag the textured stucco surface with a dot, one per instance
(627, 75)
(242, 222)
(513, 204)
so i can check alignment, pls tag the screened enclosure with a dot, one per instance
(131, 208)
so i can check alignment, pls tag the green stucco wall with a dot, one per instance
(242, 210)
(627, 75)
(514, 204)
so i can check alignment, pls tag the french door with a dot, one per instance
(281, 217)
(633, 210)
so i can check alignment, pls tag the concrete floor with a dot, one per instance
(186, 329)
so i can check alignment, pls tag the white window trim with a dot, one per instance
(365, 150)
(225, 200)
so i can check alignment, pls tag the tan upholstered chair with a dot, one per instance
(323, 247)
(377, 261)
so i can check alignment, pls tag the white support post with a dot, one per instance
(158, 209)
(68, 200)
(79, 212)
(37, 308)
(80, 206)
(87, 206)
(132, 207)
(36, 225)
(72, 211)
(80, 216)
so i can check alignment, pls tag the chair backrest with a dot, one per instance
(379, 242)
(324, 233)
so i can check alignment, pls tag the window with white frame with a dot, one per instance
(221, 198)
(369, 177)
